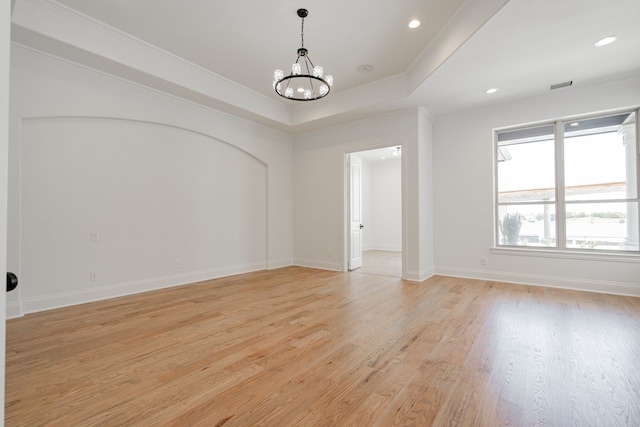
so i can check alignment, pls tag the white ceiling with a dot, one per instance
(461, 49)
(247, 40)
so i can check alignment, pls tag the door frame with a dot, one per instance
(5, 55)
(346, 222)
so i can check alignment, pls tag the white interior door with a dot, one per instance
(355, 212)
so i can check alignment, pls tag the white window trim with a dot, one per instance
(626, 256)
(561, 251)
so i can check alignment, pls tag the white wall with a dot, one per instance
(382, 204)
(162, 180)
(319, 189)
(463, 177)
(386, 201)
(177, 192)
(424, 194)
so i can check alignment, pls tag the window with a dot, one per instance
(569, 185)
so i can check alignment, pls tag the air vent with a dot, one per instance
(560, 85)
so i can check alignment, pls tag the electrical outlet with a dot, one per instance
(93, 276)
(94, 236)
(483, 261)
(178, 263)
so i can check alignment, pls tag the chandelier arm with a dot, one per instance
(290, 75)
(310, 62)
(309, 72)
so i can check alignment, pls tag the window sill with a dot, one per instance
(568, 254)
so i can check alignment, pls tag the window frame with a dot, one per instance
(560, 203)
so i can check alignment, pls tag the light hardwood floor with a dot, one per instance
(383, 263)
(304, 347)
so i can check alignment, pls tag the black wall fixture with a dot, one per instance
(12, 281)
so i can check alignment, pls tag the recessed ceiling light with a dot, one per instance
(492, 90)
(574, 124)
(414, 24)
(300, 89)
(605, 41)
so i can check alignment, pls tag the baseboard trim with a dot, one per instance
(13, 310)
(64, 299)
(383, 247)
(598, 286)
(48, 302)
(322, 265)
(272, 265)
(416, 276)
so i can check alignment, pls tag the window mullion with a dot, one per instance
(496, 209)
(561, 210)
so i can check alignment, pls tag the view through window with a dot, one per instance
(577, 179)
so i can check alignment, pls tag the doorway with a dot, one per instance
(375, 211)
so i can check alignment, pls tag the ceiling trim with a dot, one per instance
(61, 31)
(57, 26)
(471, 16)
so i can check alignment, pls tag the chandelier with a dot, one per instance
(306, 81)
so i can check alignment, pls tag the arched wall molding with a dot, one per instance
(30, 304)
(146, 122)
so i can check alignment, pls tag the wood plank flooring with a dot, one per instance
(304, 347)
(383, 263)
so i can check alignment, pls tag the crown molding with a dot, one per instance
(469, 18)
(61, 31)
(50, 26)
